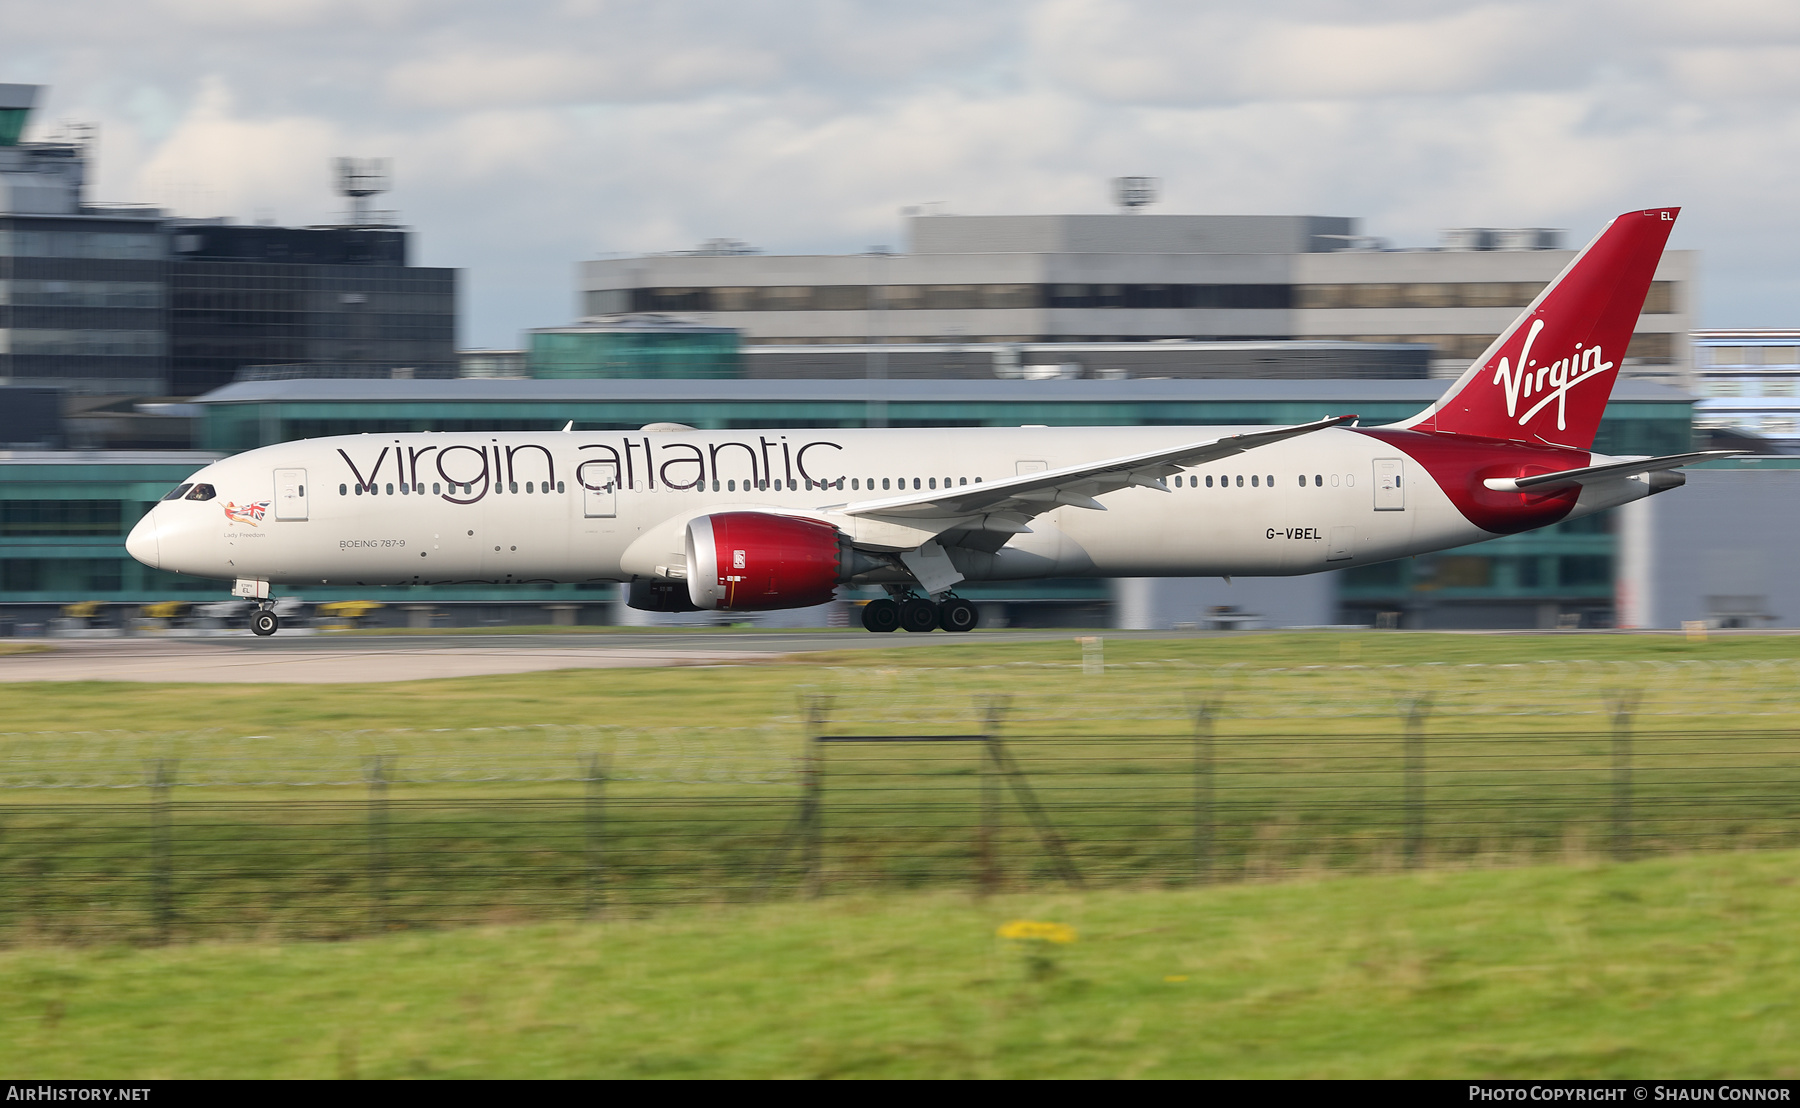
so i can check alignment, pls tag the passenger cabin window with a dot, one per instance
(178, 492)
(202, 492)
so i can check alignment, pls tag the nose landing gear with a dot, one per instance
(265, 622)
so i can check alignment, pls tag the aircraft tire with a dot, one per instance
(957, 615)
(917, 614)
(265, 622)
(881, 616)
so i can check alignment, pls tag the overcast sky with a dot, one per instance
(531, 134)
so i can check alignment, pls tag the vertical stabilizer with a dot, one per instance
(1547, 378)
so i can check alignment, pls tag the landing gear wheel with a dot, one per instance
(265, 622)
(917, 614)
(881, 616)
(957, 614)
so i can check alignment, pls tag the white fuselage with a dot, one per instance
(613, 506)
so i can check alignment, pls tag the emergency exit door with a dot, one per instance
(1390, 489)
(290, 494)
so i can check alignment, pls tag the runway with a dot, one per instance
(241, 658)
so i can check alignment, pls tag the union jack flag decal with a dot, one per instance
(247, 513)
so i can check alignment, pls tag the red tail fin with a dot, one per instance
(1548, 376)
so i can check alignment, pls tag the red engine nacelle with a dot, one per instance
(753, 561)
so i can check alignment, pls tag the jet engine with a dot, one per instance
(754, 561)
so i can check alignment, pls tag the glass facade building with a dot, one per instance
(339, 296)
(634, 347)
(63, 521)
(84, 302)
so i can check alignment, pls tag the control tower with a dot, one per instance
(36, 178)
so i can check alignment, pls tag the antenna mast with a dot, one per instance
(359, 179)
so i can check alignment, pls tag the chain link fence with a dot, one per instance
(991, 778)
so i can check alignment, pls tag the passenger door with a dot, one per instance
(1390, 492)
(290, 494)
(599, 489)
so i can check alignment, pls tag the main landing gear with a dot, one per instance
(265, 622)
(916, 613)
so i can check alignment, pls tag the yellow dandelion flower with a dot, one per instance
(1025, 929)
(1176, 977)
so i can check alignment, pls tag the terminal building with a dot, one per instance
(1012, 281)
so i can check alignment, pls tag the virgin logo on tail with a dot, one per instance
(1592, 307)
(1562, 375)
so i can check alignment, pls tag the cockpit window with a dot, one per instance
(178, 492)
(202, 492)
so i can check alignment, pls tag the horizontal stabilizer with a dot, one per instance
(1586, 474)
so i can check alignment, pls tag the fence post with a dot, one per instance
(1415, 708)
(987, 877)
(378, 851)
(594, 826)
(812, 815)
(162, 854)
(1204, 714)
(1622, 705)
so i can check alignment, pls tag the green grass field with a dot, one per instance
(1673, 966)
(1516, 950)
(270, 830)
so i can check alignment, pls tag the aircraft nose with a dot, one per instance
(143, 543)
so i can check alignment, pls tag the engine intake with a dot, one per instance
(753, 561)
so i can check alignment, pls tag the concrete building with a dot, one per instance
(1717, 551)
(1136, 278)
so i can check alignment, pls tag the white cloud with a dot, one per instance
(529, 135)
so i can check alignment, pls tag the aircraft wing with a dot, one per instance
(1582, 476)
(1011, 501)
